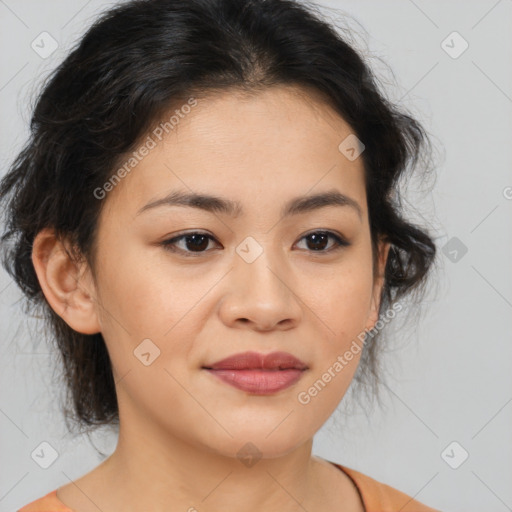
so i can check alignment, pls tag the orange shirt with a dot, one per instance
(376, 496)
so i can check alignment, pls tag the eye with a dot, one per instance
(195, 243)
(319, 239)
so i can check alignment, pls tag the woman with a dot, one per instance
(206, 213)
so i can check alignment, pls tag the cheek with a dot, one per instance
(139, 296)
(343, 299)
(343, 304)
(343, 310)
(149, 301)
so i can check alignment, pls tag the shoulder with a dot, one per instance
(47, 503)
(379, 497)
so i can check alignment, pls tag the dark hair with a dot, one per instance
(136, 63)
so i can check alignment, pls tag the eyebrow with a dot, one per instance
(215, 204)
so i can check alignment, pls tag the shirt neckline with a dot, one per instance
(354, 482)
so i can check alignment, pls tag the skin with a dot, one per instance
(180, 427)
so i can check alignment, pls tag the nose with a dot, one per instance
(260, 296)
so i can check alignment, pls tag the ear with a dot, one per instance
(67, 286)
(383, 251)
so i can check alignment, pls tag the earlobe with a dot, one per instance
(68, 288)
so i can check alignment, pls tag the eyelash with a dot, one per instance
(168, 245)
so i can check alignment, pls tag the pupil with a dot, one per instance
(195, 239)
(315, 238)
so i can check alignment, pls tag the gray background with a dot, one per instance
(451, 378)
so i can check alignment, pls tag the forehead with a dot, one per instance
(257, 149)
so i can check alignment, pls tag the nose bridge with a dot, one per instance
(257, 266)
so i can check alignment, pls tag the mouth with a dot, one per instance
(259, 373)
(259, 382)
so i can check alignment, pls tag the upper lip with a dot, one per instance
(258, 361)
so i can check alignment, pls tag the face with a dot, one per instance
(251, 278)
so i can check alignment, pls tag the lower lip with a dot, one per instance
(259, 382)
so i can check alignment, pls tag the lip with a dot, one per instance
(258, 361)
(257, 373)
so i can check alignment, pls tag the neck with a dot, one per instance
(188, 476)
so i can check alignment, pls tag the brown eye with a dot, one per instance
(192, 243)
(196, 243)
(318, 241)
